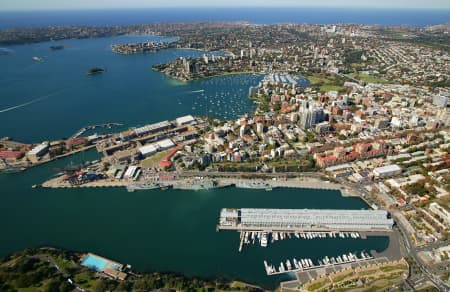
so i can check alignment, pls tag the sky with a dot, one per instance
(112, 4)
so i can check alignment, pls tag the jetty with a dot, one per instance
(92, 127)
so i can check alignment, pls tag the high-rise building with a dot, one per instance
(310, 117)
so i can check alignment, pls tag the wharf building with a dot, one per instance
(35, 154)
(295, 220)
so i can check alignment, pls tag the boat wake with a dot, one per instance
(30, 102)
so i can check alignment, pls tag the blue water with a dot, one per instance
(94, 262)
(414, 17)
(54, 98)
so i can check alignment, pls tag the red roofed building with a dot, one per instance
(165, 162)
(352, 156)
(326, 161)
(363, 147)
(10, 155)
(72, 143)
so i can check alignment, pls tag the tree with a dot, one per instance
(99, 286)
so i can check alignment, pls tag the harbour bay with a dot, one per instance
(161, 230)
(58, 98)
(154, 230)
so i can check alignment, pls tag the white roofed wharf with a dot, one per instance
(185, 120)
(306, 219)
(148, 149)
(155, 147)
(152, 128)
(165, 144)
(38, 149)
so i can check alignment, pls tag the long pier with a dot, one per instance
(304, 220)
(92, 127)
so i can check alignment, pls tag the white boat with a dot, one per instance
(288, 265)
(296, 264)
(38, 59)
(275, 236)
(264, 239)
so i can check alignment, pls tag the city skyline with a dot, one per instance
(24, 5)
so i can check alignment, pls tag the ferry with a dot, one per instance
(142, 187)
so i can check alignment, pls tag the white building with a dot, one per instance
(387, 170)
(37, 152)
(186, 120)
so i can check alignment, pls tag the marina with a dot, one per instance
(265, 238)
(307, 264)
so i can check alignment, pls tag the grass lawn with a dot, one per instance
(392, 268)
(237, 284)
(327, 87)
(328, 84)
(153, 161)
(340, 278)
(317, 285)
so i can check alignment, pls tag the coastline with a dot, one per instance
(222, 182)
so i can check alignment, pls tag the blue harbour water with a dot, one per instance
(414, 17)
(54, 98)
(154, 230)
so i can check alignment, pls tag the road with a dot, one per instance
(412, 250)
(52, 262)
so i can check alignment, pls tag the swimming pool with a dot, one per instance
(94, 262)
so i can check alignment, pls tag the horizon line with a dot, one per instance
(443, 9)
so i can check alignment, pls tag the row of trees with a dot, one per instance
(33, 268)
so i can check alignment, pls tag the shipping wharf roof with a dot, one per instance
(306, 219)
(153, 128)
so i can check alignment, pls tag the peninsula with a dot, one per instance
(357, 108)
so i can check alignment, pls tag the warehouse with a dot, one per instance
(305, 219)
(153, 128)
(388, 170)
(186, 120)
(35, 154)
